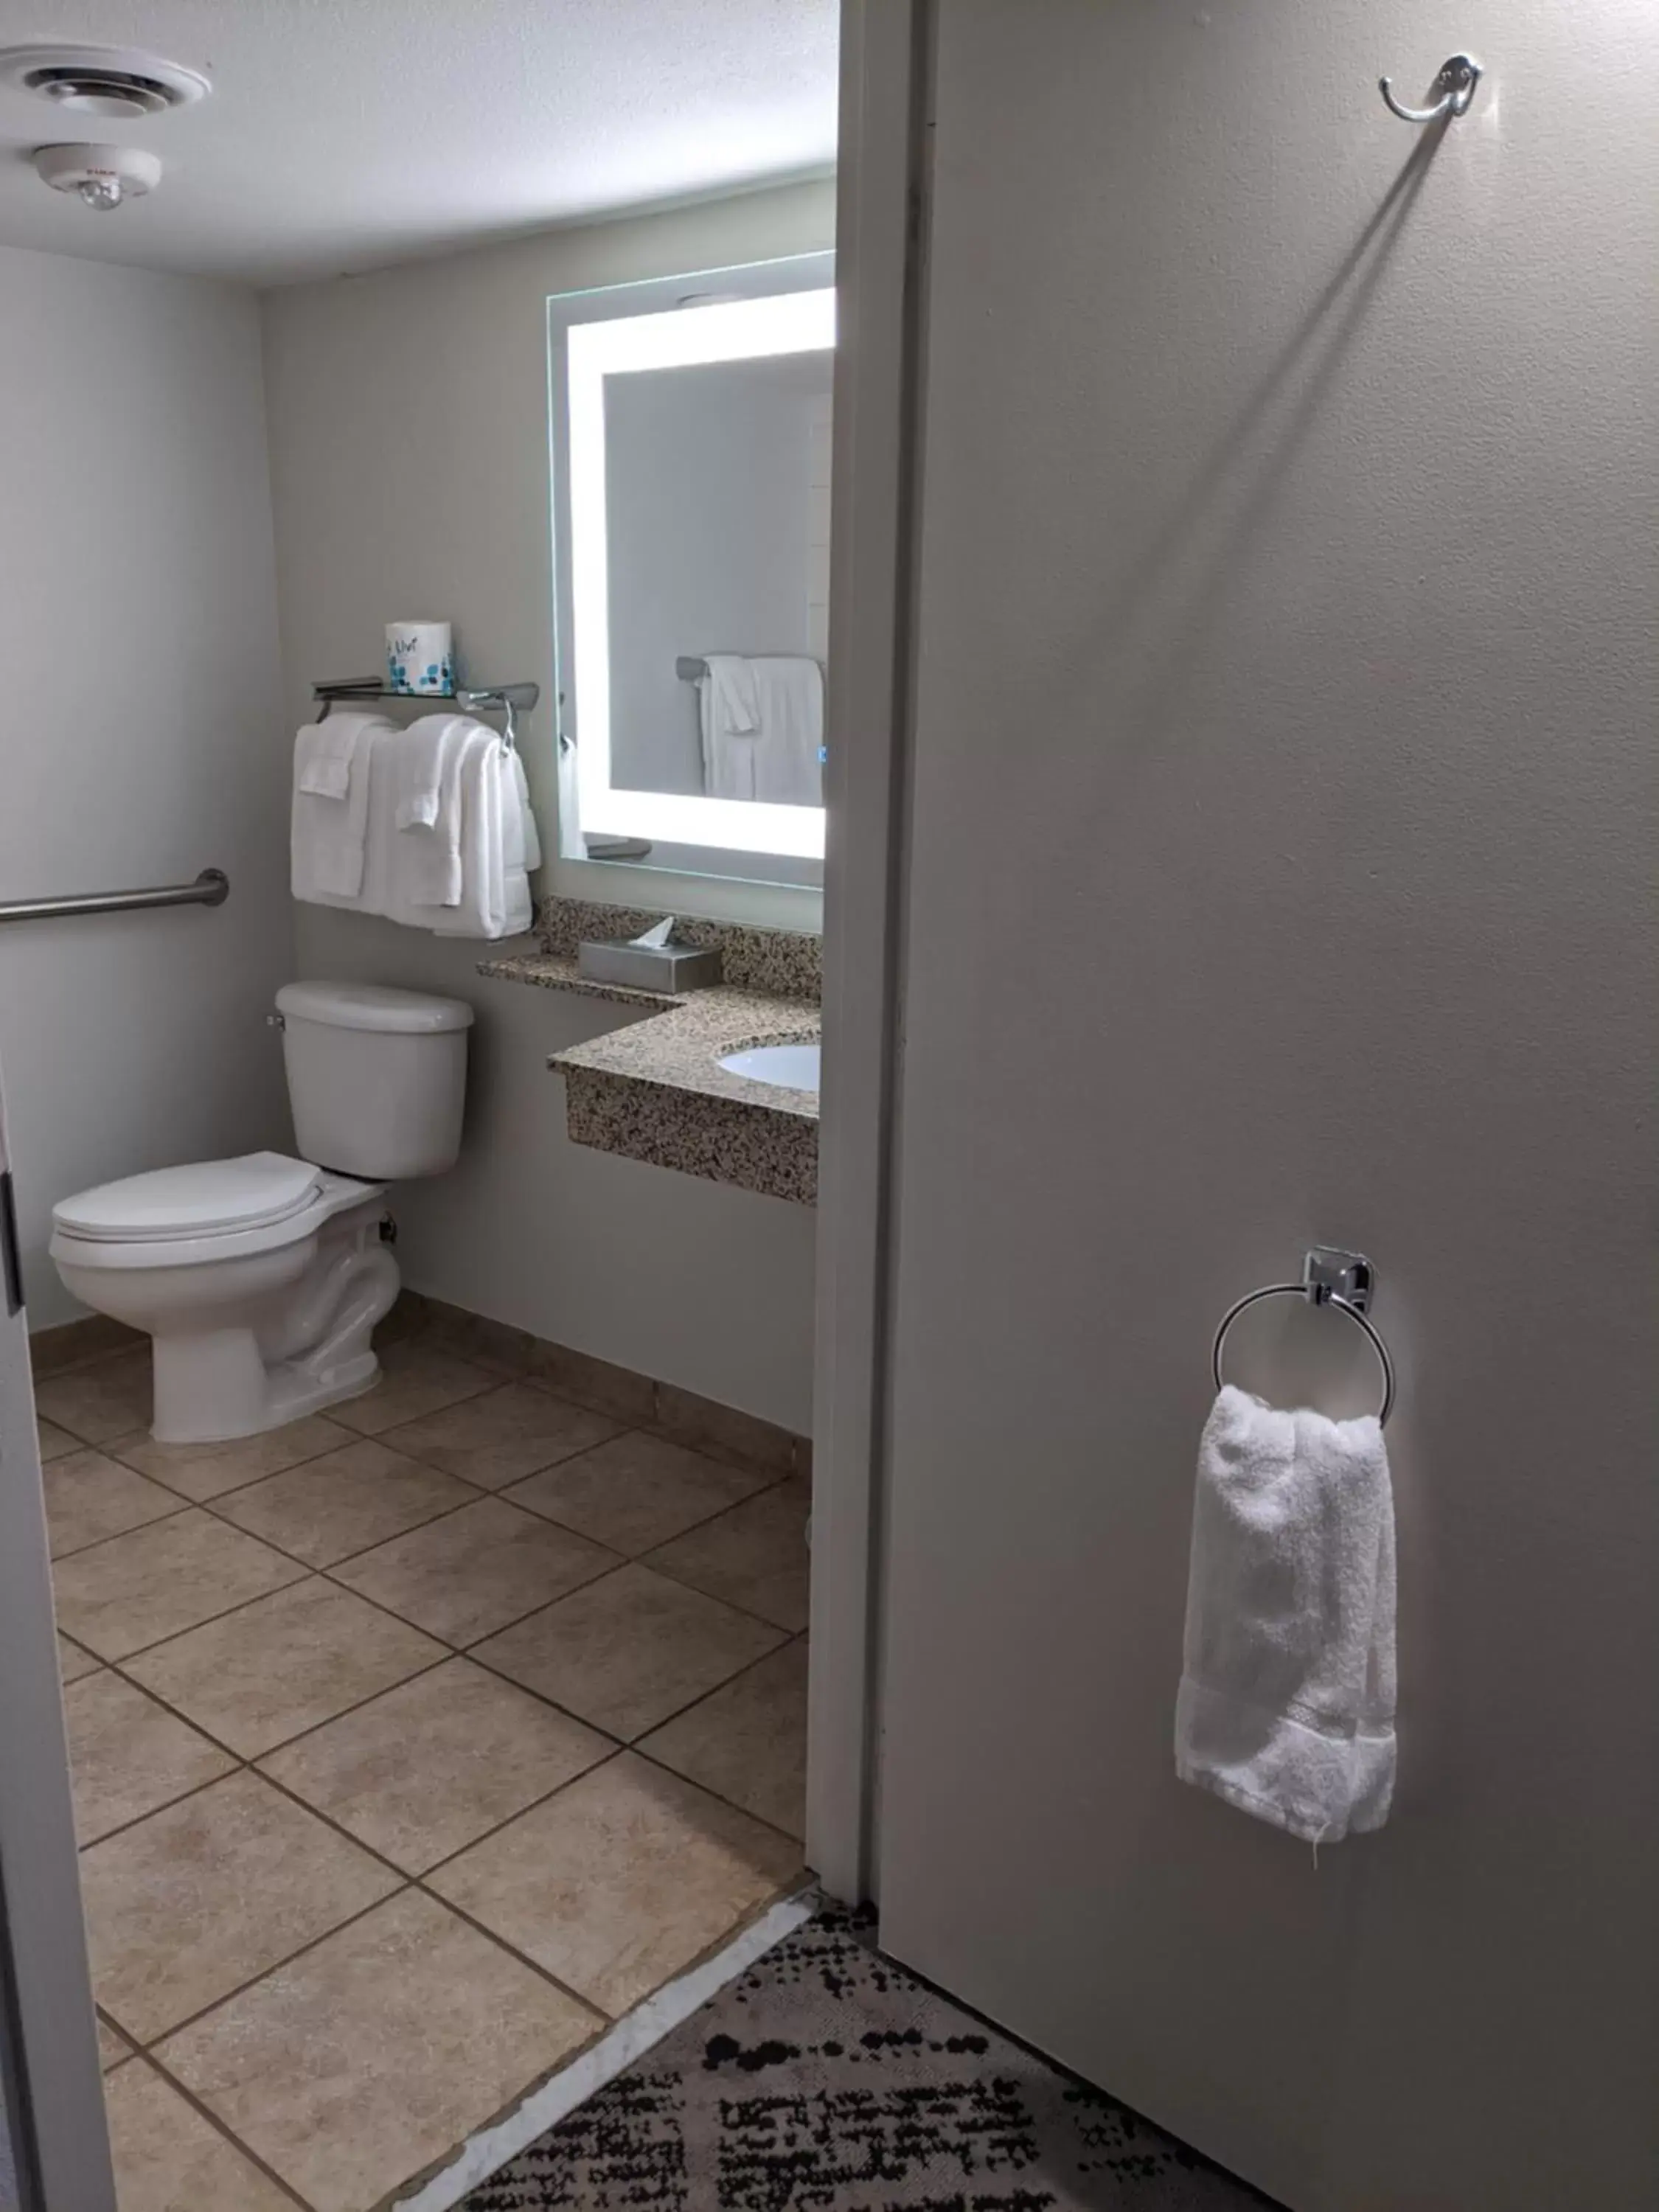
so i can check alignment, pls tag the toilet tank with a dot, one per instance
(377, 1077)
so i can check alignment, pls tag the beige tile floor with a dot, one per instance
(412, 1744)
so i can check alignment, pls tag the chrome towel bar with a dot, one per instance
(1329, 1278)
(508, 699)
(210, 888)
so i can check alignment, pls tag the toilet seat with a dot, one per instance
(205, 1210)
(206, 1198)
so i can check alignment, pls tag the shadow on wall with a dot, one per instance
(1177, 575)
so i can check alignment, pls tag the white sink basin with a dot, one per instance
(794, 1066)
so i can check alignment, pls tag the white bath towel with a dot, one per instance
(493, 899)
(1286, 1703)
(326, 835)
(762, 721)
(424, 758)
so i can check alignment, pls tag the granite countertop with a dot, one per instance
(654, 1090)
(682, 1049)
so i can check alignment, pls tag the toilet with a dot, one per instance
(260, 1279)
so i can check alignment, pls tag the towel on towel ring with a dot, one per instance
(1286, 1703)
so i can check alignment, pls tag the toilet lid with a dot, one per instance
(205, 1200)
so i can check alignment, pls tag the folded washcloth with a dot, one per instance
(326, 833)
(1287, 1700)
(323, 753)
(425, 781)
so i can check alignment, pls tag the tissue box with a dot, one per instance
(649, 967)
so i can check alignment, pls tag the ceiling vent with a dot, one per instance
(118, 83)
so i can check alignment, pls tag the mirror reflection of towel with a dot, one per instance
(762, 728)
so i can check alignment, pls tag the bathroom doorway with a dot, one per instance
(432, 1749)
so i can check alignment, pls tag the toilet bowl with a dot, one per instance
(257, 1316)
(260, 1279)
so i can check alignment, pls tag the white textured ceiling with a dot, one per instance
(341, 136)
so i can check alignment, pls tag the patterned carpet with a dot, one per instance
(828, 2080)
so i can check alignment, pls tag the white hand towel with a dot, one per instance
(495, 899)
(1287, 1699)
(425, 756)
(325, 834)
(529, 856)
(729, 720)
(731, 680)
(323, 753)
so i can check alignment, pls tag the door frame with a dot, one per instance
(53, 2088)
(880, 237)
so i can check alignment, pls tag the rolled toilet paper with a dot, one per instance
(420, 657)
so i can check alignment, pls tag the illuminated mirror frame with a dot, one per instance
(591, 338)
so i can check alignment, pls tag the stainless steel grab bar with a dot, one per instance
(210, 888)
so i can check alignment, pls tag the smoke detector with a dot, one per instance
(119, 84)
(105, 177)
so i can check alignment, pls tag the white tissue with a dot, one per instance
(658, 935)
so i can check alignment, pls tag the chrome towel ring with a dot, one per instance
(1454, 81)
(1329, 1278)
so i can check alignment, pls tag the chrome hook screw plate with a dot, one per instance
(1454, 83)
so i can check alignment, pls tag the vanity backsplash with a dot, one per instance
(783, 964)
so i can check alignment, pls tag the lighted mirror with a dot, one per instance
(691, 442)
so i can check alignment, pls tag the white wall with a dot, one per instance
(409, 463)
(139, 729)
(1298, 518)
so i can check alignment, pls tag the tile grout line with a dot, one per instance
(251, 1760)
(182, 2089)
(449, 1652)
(166, 1804)
(619, 1745)
(753, 1917)
(418, 1882)
(252, 1981)
(797, 1843)
(306, 1459)
(404, 1879)
(114, 1536)
(139, 1651)
(767, 1479)
(584, 2073)
(245, 1762)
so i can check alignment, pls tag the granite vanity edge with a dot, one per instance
(735, 1141)
(555, 971)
